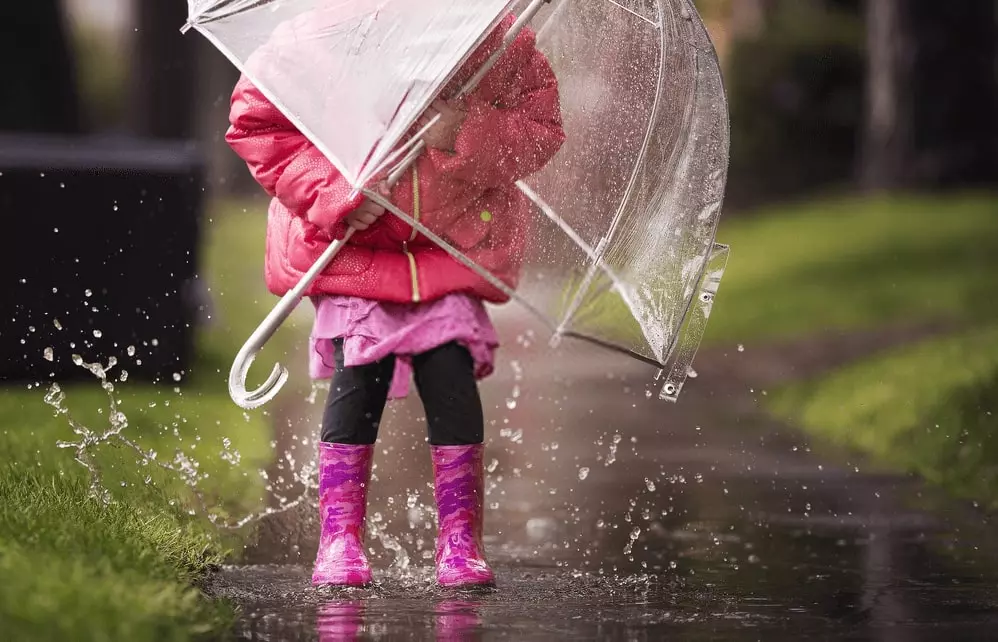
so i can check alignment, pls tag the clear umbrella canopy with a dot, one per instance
(620, 246)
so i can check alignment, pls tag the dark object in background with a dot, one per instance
(103, 238)
(38, 70)
(932, 94)
(164, 87)
(796, 95)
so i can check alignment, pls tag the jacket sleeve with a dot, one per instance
(500, 144)
(286, 164)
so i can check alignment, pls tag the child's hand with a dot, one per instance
(443, 134)
(365, 216)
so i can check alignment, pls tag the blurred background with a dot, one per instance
(861, 211)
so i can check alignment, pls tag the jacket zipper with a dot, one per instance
(412, 237)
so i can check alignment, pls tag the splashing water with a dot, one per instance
(633, 537)
(185, 468)
(612, 457)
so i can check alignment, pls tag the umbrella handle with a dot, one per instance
(279, 375)
(250, 399)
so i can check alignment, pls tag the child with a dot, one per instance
(392, 300)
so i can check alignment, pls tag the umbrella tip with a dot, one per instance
(187, 27)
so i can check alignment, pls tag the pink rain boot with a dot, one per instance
(459, 488)
(344, 473)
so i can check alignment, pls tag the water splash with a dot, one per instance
(182, 466)
(633, 537)
(612, 456)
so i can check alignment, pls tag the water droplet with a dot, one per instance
(650, 484)
(49, 354)
(176, 376)
(98, 334)
(492, 466)
(131, 351)
(511, 404)
(583, 473)
(741, 348)
(124, 376)
(88, 292)
(55, 396)
(55, 322)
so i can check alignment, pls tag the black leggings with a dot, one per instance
(445, 378)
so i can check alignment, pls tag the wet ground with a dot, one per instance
(615, 516)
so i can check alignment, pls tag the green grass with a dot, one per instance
(857, 263)
(74, 568)
(848, 264)
(931, 409)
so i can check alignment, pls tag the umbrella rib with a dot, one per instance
(632, 12)
(614, 347)
(228, 8)
(592, 253)
(619, 214)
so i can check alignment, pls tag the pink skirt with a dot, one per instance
(374, 330)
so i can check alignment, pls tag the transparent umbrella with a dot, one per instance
(618, 246)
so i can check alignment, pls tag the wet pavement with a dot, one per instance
(616, 516)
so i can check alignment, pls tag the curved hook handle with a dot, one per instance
(250, 399)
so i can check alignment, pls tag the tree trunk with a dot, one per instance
(932, 95)
(37, 66)
(164, 81)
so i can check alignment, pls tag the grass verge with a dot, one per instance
(74, 568)
(931, 409)
(857, 263)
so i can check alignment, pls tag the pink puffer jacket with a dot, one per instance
(514, 127)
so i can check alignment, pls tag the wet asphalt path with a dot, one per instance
(615, 516)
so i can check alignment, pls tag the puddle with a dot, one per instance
(690, 522)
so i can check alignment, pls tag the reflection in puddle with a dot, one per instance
(339, 621)
(454, 620)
